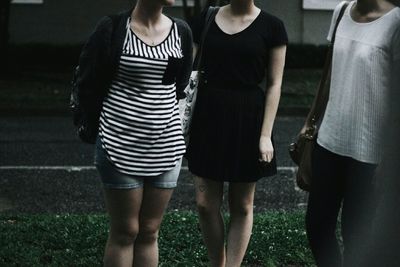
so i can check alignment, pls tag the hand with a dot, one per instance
(266, 149)
(303, 130)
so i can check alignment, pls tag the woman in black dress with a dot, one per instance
(231, 131)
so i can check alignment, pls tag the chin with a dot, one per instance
(168, 2)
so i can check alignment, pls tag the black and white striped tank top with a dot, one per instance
(140, 127)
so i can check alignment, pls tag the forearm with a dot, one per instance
(273, 91)
(272, 98)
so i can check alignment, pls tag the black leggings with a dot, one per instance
(337, 181)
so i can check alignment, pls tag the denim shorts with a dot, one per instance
(114, 179)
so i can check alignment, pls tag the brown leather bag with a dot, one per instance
(301, 151)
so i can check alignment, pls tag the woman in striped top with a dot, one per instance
(140, 127)
(140, 144)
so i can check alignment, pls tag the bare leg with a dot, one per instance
(123, 206)
(154, 203)
(209, 195)
(241, 198)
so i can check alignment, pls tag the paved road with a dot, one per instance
(45, 168)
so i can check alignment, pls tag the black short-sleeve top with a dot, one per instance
(239, 59)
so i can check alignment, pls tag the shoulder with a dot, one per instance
(339, 7)
(183, 26)
(108, 21)
(395, 24)
(184, 30)
(185, 33)
(103, 23)
(198, 22)
(335, 17)
(341, 4)
(396, 15)
(395, 20)
(269, 18)
(271, 23)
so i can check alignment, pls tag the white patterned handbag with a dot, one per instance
(186, 105)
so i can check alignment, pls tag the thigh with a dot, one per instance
(326, 193)
(166, 180)
(358, 205)
(123, 206)
(241, 196)
(110, 176)
(208, 192)
(358, 212)
(154, 203)
(328, 172)
(359, 187)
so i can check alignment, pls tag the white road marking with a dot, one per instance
(48, 168)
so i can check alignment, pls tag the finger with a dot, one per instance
(270, 156)
(264, 157)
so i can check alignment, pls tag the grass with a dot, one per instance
(78, 240)
(45, 91)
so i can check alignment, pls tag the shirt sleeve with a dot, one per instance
(197, 26)
(396, 45)
(186, 68)
(91, 66)
(335, 16)
(279, 34)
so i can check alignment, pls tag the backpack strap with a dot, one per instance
(322, 95)
(116, 41)
(210, 16)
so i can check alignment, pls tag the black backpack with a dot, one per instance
(86, 133)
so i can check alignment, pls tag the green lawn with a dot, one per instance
(78, 240)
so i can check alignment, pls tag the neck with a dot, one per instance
(147, 12)
(240, 7)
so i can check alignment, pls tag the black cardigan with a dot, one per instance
(99, 59)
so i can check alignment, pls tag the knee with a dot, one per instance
(148, 233)
(320, 226)
(312, 228)
(206, 208)
(241, 209)
(124, 236)
(310, 220)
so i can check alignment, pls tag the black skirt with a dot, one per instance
(225, 133)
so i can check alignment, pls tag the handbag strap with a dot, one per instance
(323, 88)
(210, 16)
